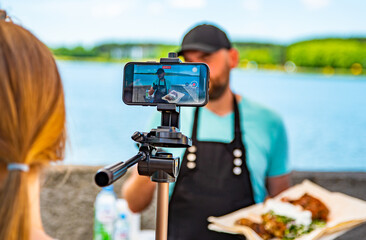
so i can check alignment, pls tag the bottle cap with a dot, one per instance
(108, 188)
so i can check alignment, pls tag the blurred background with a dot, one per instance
(305, 59)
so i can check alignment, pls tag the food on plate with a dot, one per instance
(173, 96)
(273, 225)
(258, 228)
(315, 206)
(289, 219)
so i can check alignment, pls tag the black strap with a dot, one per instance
(237, 135)
(237, 119)
(194, 130)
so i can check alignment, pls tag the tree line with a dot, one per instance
(315, 53)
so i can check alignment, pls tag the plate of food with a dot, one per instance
(305, 211)
(173, 96)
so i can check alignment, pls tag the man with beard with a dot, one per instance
(239, 151)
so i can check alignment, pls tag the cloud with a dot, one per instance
(110, 9)
(252, 5)
(155, 8)
(188, 4)
(83, 8)
(316, 4)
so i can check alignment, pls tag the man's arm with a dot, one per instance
(151, 91)
(138, 191)
(277, 184)
(278, 173)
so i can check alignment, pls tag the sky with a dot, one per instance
(90, 22)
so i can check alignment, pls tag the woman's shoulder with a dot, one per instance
(39, 234)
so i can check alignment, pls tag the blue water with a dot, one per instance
(325, 117)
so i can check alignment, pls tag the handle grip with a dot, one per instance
(108, 175)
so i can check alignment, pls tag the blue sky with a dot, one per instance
(89, 22)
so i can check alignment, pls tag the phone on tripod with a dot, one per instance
(168, 85)
(152, 83)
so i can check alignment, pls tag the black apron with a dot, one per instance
(213, 181)
(160, 91)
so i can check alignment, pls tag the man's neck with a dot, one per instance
(224, 104)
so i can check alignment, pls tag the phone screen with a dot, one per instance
(183, 84)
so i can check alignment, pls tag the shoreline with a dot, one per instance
(326, 71)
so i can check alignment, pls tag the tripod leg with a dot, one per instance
(162, 212)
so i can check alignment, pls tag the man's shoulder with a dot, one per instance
(255, 111)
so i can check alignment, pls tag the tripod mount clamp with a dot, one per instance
(172, 58)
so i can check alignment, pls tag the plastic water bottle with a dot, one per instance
(105, 214)
(122, 226)
(121, 231)
(133, 221)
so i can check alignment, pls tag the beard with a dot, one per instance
(216, 90)
(219, 85)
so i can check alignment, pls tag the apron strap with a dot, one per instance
(236, 120)
(237, 128)
(194, 130)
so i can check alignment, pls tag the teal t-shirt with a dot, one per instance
(264, 137)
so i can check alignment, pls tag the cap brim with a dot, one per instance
(198, 47)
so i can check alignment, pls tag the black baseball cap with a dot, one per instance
(206, 38)
(160, 70)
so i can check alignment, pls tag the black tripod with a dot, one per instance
(162, 167)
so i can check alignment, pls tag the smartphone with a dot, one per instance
(152, 83)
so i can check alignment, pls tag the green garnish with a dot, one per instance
(293, 231)
(283, 219)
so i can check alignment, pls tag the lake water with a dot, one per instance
(325, 117)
